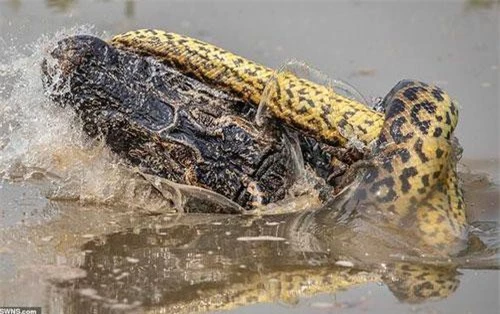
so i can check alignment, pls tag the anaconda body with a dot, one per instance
(412, 174)
(410, 177)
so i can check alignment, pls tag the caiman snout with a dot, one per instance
(70, 53)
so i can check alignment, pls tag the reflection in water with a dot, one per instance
(225, 262)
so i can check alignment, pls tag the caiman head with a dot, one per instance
(167, 124)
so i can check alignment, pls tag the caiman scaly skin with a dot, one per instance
(170, 125)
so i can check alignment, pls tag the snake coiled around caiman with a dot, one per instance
(412, 176)
(151, 116)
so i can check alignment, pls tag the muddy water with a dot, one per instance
(79, 232)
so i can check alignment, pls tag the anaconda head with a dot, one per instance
(167, 124)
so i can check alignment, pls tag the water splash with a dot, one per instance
(304, 71)
(43, 144)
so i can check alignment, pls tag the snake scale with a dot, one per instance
(411, 176)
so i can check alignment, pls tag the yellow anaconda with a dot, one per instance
(309, 106)
(412, 177)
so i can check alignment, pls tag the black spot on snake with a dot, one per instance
(438, 94)
(395, 108)
(411, 93)
(405, 175)
(439, 152)
(404, 154)
(395, 130)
